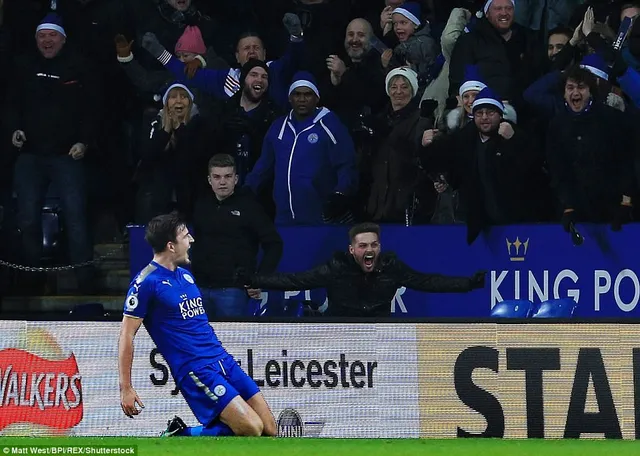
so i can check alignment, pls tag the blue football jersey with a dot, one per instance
(170, 304)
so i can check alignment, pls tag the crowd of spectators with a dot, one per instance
(335, 111)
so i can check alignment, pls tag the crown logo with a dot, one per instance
(517, 249)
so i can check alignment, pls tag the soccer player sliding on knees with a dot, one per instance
(363, 281)
(164, 297)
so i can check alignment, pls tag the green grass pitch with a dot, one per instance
(239, 446)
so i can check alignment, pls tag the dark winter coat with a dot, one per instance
(360, 91)
(229, 234)
(507, 74)
(514, 167)
(397, 176)
(56, 102)
(591, 161)
(420, 51)
(180, 167)
(237, 127)
(353, 293)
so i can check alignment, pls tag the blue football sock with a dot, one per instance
(217, 429)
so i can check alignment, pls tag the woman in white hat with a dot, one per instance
(172, 157)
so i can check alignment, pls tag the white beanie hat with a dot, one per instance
(177, 86)
(406, 73)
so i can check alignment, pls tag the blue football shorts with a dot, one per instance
(209, 389)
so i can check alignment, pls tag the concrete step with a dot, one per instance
(113, 252)
(111, 256)
(112, 265)
(112, 282)
(34, 304)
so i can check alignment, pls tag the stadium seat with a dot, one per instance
(556, 308)
(287, 308)
(51, 229)
(517, 308)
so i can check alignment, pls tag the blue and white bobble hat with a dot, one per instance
(472, 80)
(411, 11)
(489, 2)
(304, 79)
(52, 22)
(177, 86)
(595, 64)
(487, 97)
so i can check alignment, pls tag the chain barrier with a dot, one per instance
(67, 267)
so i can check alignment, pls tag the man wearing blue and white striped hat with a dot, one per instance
(488, 112)
(496, 167)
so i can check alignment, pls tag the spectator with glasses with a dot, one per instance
(496, 166)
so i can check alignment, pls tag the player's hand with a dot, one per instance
(254, 293)
(128, 400)
(477, 280)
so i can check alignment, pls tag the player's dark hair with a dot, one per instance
(367, 227)
(222, 161)
(163, 229)
(561, 30)
(580, 75)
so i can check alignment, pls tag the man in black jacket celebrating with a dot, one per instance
(230, 227)
(362, 282)
(52, 112)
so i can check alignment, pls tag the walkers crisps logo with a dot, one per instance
(42, 388)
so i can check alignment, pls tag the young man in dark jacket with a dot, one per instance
(363, 281)
(590, 151)
(231, 227)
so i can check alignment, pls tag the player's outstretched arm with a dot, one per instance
(128, 396)
(437, 283)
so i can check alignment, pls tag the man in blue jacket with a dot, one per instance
(311, 157)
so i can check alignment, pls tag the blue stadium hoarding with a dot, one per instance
(536, 262)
